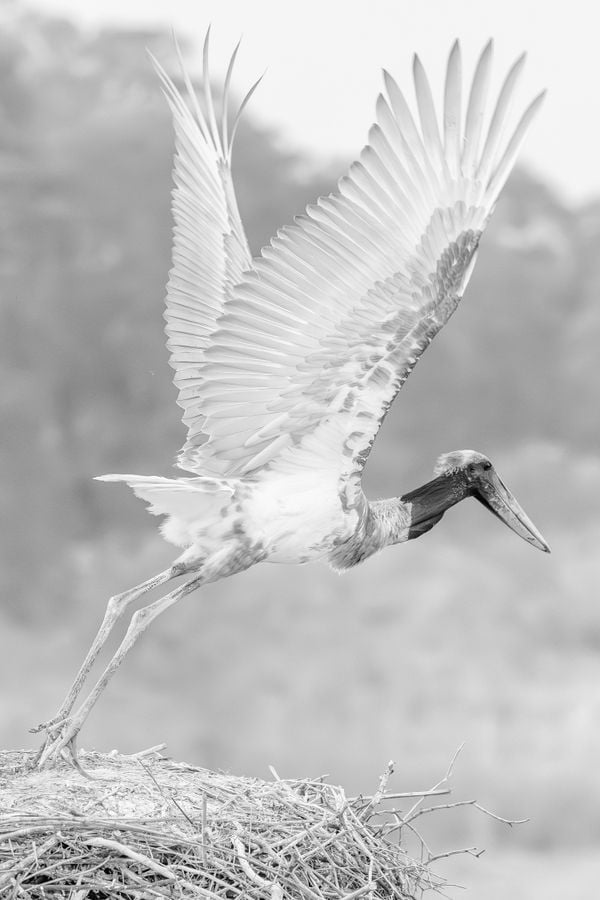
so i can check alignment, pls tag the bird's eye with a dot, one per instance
(487, 465)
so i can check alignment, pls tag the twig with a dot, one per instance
(287, 843)
(172, 799)
(429, 809)
(32, 857)
(59, 863)
(440, 783)
(420, 838)
(147, 890)
(158, 748)
(100, 801)
(143, 860)
(471, 851)
(254, 877)
(379, 793)
(304, 888)
(204, 820)
(365, 889)
(25, 832)
(402, 795)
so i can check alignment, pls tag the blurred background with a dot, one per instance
(466, 634)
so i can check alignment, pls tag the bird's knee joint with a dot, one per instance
(117, 603)
(140, 618)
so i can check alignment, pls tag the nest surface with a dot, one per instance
(146, 827)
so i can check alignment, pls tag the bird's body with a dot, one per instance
(277, 518)
(286, 365)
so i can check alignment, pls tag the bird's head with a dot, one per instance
(467, 473)
(481, 481)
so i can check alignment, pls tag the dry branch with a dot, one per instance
(163, 829)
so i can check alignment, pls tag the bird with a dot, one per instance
(286, 364)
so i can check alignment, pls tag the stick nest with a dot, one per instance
(146, 827)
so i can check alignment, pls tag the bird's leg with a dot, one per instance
(115, 609)
(69, 728)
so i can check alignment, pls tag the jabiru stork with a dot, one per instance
(287, 364)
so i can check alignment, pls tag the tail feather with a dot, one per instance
(187, 499)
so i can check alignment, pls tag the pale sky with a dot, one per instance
(324, 58)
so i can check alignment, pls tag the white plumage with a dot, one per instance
(287, 364)
(290, 362)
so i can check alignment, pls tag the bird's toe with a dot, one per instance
(60, 744)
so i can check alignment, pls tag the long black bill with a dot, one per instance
(494, 494)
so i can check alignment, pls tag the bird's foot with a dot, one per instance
(50, 725)
(60, 743)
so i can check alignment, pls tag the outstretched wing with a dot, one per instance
(316, 341)
(210, 251)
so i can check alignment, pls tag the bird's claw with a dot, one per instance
(50, 725)
(60, 743)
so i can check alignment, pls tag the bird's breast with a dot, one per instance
(298, 519)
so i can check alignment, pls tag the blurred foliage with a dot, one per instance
(85, 179)
(465, 633)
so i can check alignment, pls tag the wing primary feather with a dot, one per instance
(242, 107)
(172, 95)
(410, 156)
(476, 108)
(453, 110)
(210, 109)
(200, 118)
(347, 217)
(405, 187)
(226, 88)
(407, 127)
(403, 115)
(499, 116)
(386, 182)
(507, 161)
(427, 114)
(344, 255)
